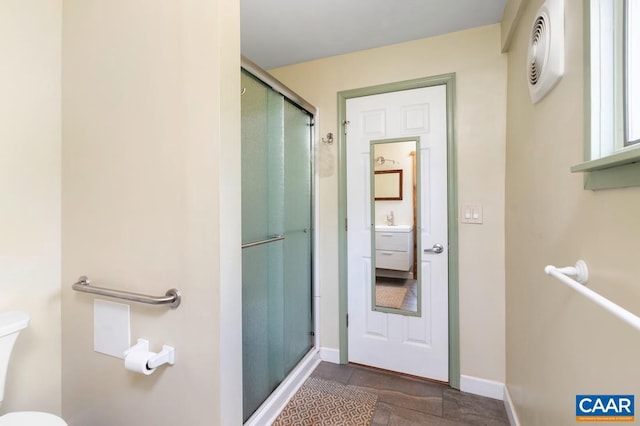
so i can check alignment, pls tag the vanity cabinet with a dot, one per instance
(394, 247)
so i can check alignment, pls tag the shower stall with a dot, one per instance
(277, 235)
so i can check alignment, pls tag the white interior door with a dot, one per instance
(416, 345)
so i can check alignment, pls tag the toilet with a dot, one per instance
(11, 323)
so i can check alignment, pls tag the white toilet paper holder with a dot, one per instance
(166, 356)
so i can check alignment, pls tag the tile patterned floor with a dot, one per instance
(404, 401)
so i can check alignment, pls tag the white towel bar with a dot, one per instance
(581, 272)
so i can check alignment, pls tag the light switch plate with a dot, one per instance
(111, 328)
(471, 213)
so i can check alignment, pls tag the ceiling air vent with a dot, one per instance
(545, 56)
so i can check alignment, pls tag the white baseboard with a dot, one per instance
(269, 410)
(482, 387)
(330, 355)
(511, 409)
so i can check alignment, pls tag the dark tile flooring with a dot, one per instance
(409, 401)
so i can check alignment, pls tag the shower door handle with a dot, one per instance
(267, 241)
(437, 249)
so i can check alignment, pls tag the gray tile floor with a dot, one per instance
(409, 401)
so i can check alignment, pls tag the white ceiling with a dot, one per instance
(283, 32)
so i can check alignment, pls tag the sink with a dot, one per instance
(394, 228)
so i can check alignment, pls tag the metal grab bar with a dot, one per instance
(581, 273)
(172, 297)
(267, 241)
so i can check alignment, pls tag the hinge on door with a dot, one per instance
(347, 320)
(345, 123)
(346, 225)
(312, 333)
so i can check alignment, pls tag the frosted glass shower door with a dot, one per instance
(298, 325)
(276, 237)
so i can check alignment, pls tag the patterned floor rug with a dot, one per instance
(391, 297)
(322, 403)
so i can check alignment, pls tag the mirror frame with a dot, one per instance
(394, 197)
(417, 226)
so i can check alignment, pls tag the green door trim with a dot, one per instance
(449, 81)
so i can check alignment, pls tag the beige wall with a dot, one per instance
(475, 57)
(150, 92)
(510, 19)
(30, 197)
(558, 343)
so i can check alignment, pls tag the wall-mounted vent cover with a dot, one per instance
(545, 56)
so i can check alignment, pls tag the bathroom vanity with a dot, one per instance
(394, 248)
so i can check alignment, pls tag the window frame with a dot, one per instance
(632, 68)
(609, 162)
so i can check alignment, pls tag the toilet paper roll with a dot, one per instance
(137, 361)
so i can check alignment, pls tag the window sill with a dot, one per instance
(620, 170)
(626, 156)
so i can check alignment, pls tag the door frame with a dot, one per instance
(448, 80)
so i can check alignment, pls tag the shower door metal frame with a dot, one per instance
(276, 85)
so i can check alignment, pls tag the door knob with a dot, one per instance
(437, 248)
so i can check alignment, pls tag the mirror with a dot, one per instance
(394, 213)
(388, 185)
